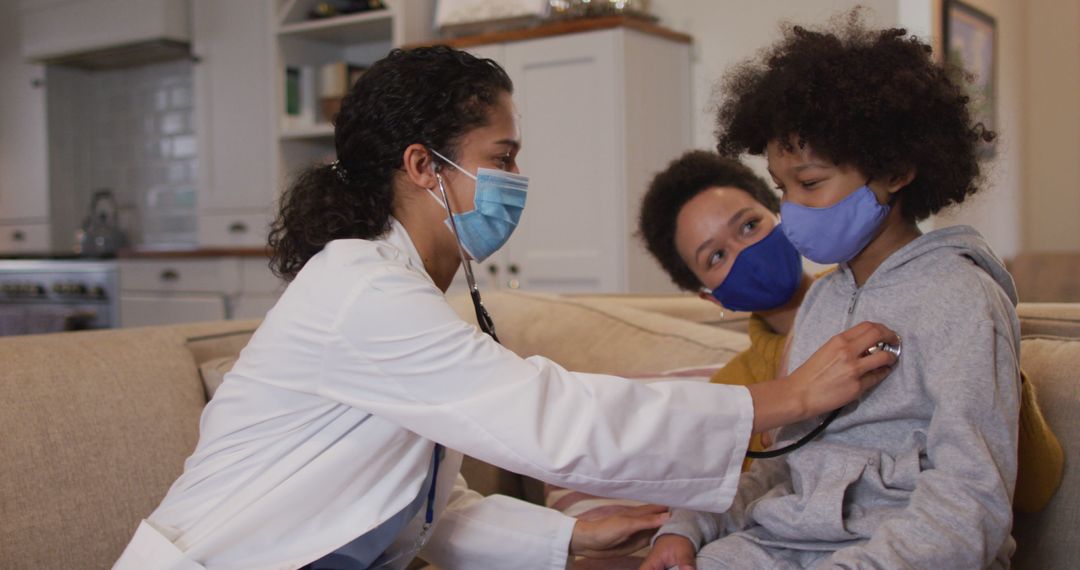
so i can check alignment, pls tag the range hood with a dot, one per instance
(105, 34)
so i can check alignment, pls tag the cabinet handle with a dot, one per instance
(238, 228)
(513, 282)
(170, 275)
(493, 269)
(18, 235)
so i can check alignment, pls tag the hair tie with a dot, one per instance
(339, 170)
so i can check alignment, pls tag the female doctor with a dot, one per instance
(336, 440)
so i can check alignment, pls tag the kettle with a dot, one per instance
(100, 235)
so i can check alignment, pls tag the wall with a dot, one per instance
(1051, 212)
(131, 131)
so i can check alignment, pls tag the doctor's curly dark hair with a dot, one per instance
(872, 99)
(431, 96)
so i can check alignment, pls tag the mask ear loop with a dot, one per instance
(708, 292)
(482, 317)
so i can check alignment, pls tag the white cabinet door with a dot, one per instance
(23, 149)
(234, 104)
(151, 309)
(570, 237)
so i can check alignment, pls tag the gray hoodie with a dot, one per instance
(920, 472)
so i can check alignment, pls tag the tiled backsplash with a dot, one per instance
(131, 131)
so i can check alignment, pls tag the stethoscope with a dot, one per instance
(482, 317)
(895, 350)
(486, 325)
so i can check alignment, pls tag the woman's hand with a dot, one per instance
(670, 551)
(617, 535)
(839, 372)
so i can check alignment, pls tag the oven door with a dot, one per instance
(40, 318)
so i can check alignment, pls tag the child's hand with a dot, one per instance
(617, 535)
(670, 551)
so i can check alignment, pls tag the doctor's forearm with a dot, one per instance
(778, 403)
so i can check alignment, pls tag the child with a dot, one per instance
(865, 136)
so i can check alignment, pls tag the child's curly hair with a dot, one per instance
(872, 99)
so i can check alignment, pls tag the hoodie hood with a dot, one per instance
(928, 255)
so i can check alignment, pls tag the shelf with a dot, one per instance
(366, 27)
(320, 130)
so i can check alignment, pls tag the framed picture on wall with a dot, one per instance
(970, 39)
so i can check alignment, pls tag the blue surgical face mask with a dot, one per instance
(764, 276)
(499, 200)
(837, 233)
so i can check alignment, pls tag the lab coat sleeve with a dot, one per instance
(960, 513)
(486, 532)
(407, 357)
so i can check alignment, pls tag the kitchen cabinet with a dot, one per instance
(601, 112)
(162, 291)
(358, 39)
(54, 29)
(233, 105)
(24, 193)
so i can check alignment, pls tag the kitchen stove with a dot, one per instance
(42, 296)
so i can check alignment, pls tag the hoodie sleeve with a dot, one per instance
(702, 528)
(960, 513)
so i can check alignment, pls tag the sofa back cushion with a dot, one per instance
(591, 335)
(96, 426)
(1049, 539)
(1049, 319)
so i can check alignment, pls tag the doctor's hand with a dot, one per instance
(617, 535)
(670, 551)
(839, 372)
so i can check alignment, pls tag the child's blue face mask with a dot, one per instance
(764, 276)
(499, 201)
(837, 233)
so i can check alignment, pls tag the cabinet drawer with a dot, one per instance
(147, 309)
(256, 277)
(253, 306)
(221, 276)
(233, 230)
(24, 238)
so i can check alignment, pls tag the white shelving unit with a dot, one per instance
(358, 39)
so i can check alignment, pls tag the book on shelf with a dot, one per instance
(300, 100)
(335, 80)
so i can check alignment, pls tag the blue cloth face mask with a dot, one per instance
(837, 233)
(499, 200)
(764, 275)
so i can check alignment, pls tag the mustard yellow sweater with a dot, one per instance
(1040, 457)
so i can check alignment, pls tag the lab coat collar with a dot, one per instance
(399, 238)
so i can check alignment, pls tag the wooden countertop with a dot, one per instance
(195, 253)
(560, 27)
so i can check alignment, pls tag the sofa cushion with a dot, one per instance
(592, 336)
(96, 428)
(1044, 539)
(1049, 319)
(213, 373)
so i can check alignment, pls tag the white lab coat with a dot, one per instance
(325, 428)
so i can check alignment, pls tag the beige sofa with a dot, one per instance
(96, 425)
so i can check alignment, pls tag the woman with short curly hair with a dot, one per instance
(865, 135)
